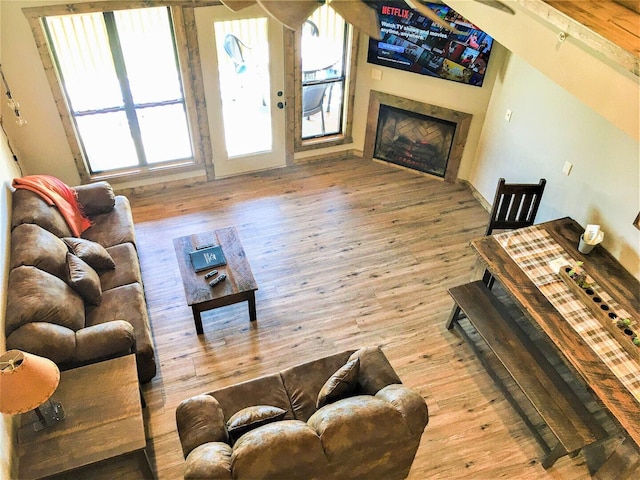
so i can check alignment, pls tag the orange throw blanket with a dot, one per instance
(55, 192)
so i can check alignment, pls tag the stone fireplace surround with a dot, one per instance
(461, 119)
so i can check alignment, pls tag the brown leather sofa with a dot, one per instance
(346, 416)
(77, 300)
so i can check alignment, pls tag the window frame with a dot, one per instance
(129, 107)
(345, 136)
(185, 39)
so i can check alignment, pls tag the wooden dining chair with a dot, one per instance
(515, 205)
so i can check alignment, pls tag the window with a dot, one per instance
(120, 76)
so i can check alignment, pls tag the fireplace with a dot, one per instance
(416, 135)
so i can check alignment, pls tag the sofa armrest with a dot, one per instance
(96, 198)
(200, 420)
(211, 460)
(410, 404)
(375, 370)
(104, 340)
(48, 340)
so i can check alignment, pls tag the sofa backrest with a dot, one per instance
(32, 245)
(37, 296)
(267, 390)
(29, 207)
(296, 389)
(303, 382)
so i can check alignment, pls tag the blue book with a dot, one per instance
(207, 258)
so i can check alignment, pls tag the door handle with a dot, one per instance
(280, 105)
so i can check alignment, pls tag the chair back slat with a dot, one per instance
(515, 215)
(515, 205)
(525, 209)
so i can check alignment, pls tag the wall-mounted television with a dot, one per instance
(412, 42)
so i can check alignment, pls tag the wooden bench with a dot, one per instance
(557, 404)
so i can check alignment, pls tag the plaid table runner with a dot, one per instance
(532, 249)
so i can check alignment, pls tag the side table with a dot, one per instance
(104, 420)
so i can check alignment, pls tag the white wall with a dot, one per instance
(41, 145)
(8, 171)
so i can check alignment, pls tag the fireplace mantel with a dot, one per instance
(461, 119)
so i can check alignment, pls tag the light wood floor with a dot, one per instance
(346, 253)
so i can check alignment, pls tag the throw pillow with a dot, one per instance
(96, 198)
(91, 252)
(84, 280)
(340, 384)
(252, 417)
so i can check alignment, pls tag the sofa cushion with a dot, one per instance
(83, 279)
(37, 296)
(113, 228)
(29, 207)
(128, 303)
(33, 245)
(127, 267)
(340, 384)
(252, 417)
(95, 198)
(91, 252)
(277, 451)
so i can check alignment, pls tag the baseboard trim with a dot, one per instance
(483, 201)
(142, 190)
(328, 156)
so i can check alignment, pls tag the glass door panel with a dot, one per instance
(242, 67)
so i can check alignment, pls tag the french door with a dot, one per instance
(242, 62)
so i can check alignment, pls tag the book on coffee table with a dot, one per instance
(207, 258)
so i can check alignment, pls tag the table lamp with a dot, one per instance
(27, 382)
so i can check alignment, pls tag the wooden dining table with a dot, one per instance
(523, 261)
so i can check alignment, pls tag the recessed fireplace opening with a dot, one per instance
(416, 135)
(413, 140)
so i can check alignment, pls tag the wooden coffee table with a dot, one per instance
(103, 420)
(239, 285)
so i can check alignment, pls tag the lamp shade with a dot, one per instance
(26, 381)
